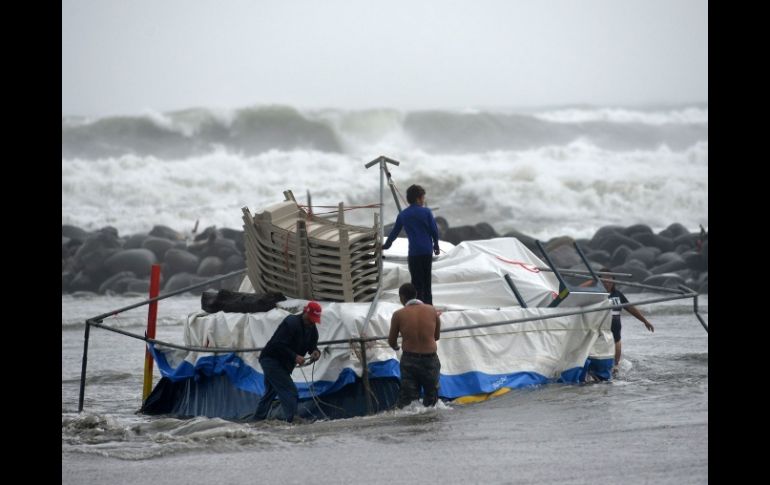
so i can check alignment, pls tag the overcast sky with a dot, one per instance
(126, 57)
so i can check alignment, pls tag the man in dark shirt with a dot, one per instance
(618, 298)
(420, 226)
(294, 337)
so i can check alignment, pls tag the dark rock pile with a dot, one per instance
(104, 262)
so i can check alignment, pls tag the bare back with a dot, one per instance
(419, 326)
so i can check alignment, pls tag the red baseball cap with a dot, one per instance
(313, 311)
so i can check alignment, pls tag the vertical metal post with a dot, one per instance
(695, 309)
(382, 197)
(365, 377)
(83, 368)
(152, 317)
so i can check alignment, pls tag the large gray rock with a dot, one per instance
(646, 255)
(638, 274)
(442, 224)
(599, 256)
(564, 256)
(166, 233)
(183, 280)
(667, 257)
(234, 235)
(92, 254)
(141, 286)
(603, 233)
(214, 246)
(210, 266)
(82, 282)
(665, 244)
(694, 260)
(134, 241)
(116, 283)
(666, 280)
(637, 229)
(74, 232)
(615, 240)
(670, 267)
(138, 261)
(458, 234)
(619, 255)
(689, 240)
(158, 246)
(234, 263)
(674, 230)
(180, 261)
(704, 286)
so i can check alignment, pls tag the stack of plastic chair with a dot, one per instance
(306, 256)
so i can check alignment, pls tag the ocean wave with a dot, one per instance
(259, 129)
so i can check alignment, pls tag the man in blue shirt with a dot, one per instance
(294, 337)
(420, 226)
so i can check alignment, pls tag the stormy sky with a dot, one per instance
(127, 57)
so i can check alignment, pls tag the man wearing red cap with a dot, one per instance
(294, 337)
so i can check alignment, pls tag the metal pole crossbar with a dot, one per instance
(362, 340)
(98, 319)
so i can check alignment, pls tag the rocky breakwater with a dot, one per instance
(104, 262)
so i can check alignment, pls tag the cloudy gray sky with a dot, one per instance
(126, 57)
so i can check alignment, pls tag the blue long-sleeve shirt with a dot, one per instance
(420, 226)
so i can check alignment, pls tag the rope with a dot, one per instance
(317, 400)
(355, 350)
(528, 266)
(336, 208)
(403, 199)
(311, 388)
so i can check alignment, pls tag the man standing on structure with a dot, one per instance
(420, 226)
(419, 326)
(294, 337)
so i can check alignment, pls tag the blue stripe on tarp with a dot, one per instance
(185, 370)
(347, 376)
(248, 379)
(575, 375)
(385, 368)
(599, 368)
(469, 383)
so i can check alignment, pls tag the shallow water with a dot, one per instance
(650, 425)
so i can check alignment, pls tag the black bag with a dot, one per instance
(235, 302)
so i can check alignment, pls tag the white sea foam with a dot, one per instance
(548, 191)
(545, 174)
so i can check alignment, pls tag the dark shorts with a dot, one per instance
(419, 371)
(616, 329)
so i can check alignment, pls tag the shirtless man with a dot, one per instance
(419, 326)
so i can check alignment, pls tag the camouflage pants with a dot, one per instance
(419, 371)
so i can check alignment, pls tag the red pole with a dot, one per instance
(152, 316)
